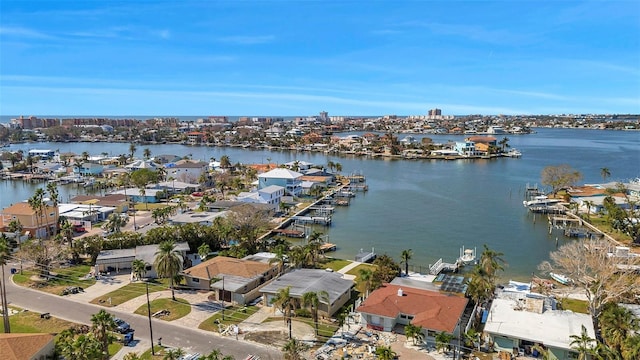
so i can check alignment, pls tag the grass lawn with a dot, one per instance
(603, 226)
(30, 322)
(577, 306)
(177, 309)
(128, 292)
(232, 315)
(159, 353)
(61, 278)
(149, 206)
(356, 271)
(114, 348)
(335, 264)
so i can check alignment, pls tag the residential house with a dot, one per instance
(117, 201)
(142, 164)
(395, 305)
(299, 166)
(466, 148)
(37, 226)
(199, 217)
(189, 171)
(122, 259)
(234, 280)
(33, 346)
(517, 322)
(270, 195)
(286, 178)
(151, 195)
(86, 213)
(301, 281)
(88, 169)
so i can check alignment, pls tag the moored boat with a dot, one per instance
(467, 256)
(562, 279)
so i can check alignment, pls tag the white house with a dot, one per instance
(188, 171)
(286, 178)
(271, 195)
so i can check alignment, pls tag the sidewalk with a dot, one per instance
(104, 285)
(345, 269)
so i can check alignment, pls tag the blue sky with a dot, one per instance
(301, 57)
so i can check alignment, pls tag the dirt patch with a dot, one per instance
(273, 338)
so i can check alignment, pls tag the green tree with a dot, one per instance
(286, 304)
(605, 173)
(146, 153)
(443, 340)
(173, 354)
(582, 343)
(4, 255)
(491, 262)
(168, 262)
(101, 323)
(312, 300)
(294, 349)
(131, 356)
(385, 353)
(404, 259)
(366, 278)
(52, 189)
(132, 150)
(617, 324)
(78, 346)
(115, 222)
(203, 251)
(139, 268)
(225, 163)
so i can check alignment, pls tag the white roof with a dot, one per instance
(281, 173)
(551, 328)
(271, 189)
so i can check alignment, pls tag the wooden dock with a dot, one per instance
(289, 233)
(440, 266)
(328, 247)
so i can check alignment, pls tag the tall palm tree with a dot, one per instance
(366, 278)
(605, 173)
(404, 259)
(294, 349)
(173, 354)
(583, 343)
(52, 189)
(491, 261)
(146, 153)
(285, 303)
(617, 323)
(280, 258)
(168, 262)
(101, 323)
(589, 204)
(4, 254)
(312, 300)
(442, 340)
(115, 222)
(132, 150)
(139, 268)
(225, 163)
(36, 202)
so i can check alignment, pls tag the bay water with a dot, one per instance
(433, 207)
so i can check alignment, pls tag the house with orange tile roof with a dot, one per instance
(38, 226)
(393, 305)
(234, 280)
(18, 346)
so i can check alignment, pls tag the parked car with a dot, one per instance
(122, 326)
(79, 228)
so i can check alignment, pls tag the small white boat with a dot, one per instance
(514, 153)
(467, 256)
(540, 200)
(560, 278)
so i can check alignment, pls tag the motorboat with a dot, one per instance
(562, 279)
(514, 153)
(540, 200)
(467, 256)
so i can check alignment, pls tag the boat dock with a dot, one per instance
(365, 256)
(328, 247)
(327, 209)
(289, 233)
(323, 220)
(440, 266)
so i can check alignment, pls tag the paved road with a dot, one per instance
(192, 340)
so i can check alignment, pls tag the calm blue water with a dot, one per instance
(431, 207)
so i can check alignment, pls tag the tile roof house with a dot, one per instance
(300, 281)
(18, 346)
(392, 305)
(235, 280)
(23, 212)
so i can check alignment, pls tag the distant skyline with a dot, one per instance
(287, 58)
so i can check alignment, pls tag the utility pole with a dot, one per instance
(149, 313)
(222, 297)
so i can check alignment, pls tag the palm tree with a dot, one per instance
(115, 222)
(204, 250)
(280, 257)
(4, 254)
(410, 332)
(146, 153)
(173, 354)
(139, 268)
(491, 261)
(617, 323)
(504, 143)
(294, 349)
(36, 202)
(285, 303)
(312, 299)
(131, 356)
(101, 323)
(225, 163)
(52, 189)
(385, 353)
(366, 278)
(442, 340)
(605, 173)
(168, 262)
(589, 204)
(404, 259)
(583, 343)
(132, 150)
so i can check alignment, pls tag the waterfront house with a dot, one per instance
(234, 280)
(18, 346)
(394, 305)
(122, 259)
(300, 281)
(270, 195)
(517, 322)
(142, 164)
(88, 169)
(31, 224)
(299, 166)
(466, 148)
(174, 187)
(151, 195)
(286, 178)
(193, 217)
